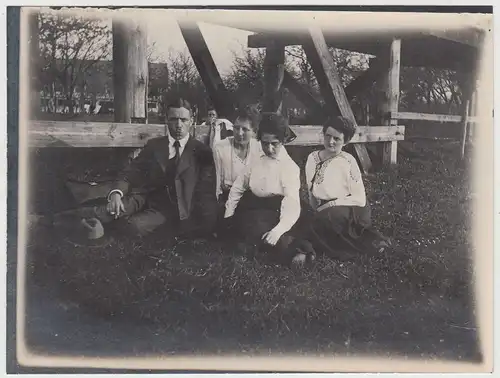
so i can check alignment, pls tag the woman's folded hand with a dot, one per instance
(271, 237)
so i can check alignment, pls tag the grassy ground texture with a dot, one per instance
(210, 297)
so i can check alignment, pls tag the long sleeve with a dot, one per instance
(218, 171)
(240, 186)
(357, 188)
(135, 173)
(290, 205)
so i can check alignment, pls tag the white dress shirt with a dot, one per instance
(337, 181)
(171, 155)
(228, 165)
(171, 148)
(266, 177)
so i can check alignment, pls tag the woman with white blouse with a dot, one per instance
(231, 155)
(265, 200)
(341, 224)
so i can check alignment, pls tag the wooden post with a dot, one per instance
(130, 71)
(467, 80)
(331, 88)
(472, 113)
(367, 113)
(391, 99)
(465, 122)
(34, 51)
(207, 69)
(274, 70)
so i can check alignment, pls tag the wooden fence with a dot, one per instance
(55, 134)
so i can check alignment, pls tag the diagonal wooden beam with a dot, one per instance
(207, 69)
(331, 88)
(302, 94)
(356, 86)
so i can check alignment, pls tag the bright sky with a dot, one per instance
(222, 41)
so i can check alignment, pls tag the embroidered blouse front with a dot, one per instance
(336, 179)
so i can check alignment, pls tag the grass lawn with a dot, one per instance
(204, 298)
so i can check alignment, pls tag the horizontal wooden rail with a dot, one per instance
(430, 117)
(105, 134)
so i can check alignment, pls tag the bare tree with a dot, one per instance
(70, 46)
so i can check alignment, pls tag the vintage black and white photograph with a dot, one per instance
(254, 190)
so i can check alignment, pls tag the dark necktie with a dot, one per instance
(177, 147)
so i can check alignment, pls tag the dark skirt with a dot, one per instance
(254, 216)
(342, 232)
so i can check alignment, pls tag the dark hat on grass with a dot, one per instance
(89, 232)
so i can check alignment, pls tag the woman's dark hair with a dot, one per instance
(179, 102)
(251, 114)
(342, 125)
(273, 123)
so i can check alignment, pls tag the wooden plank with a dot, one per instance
(274, 70)
(107, 134)
(472, 37)
(130, 70)
(331, 88)
(431, 117)
(313, 135)
(419, 49)
(219, 95)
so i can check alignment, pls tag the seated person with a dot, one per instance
(220, 128)
(341, 224)
(263, 203)
(169, 183)
(232, 155)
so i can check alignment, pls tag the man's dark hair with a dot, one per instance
(179, 103)
(342, 125)
(273, 123)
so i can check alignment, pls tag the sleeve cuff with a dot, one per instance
(280, 229)
(115, 191)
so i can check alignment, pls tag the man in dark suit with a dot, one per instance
(171, 183)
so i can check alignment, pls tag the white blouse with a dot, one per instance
(228, 165)
(336, 180)
(266, 177)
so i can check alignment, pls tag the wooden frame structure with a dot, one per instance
(391, 50)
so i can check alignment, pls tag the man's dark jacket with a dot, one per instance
(194, 179)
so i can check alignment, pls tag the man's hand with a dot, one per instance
(271, 237)
(115, 205)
